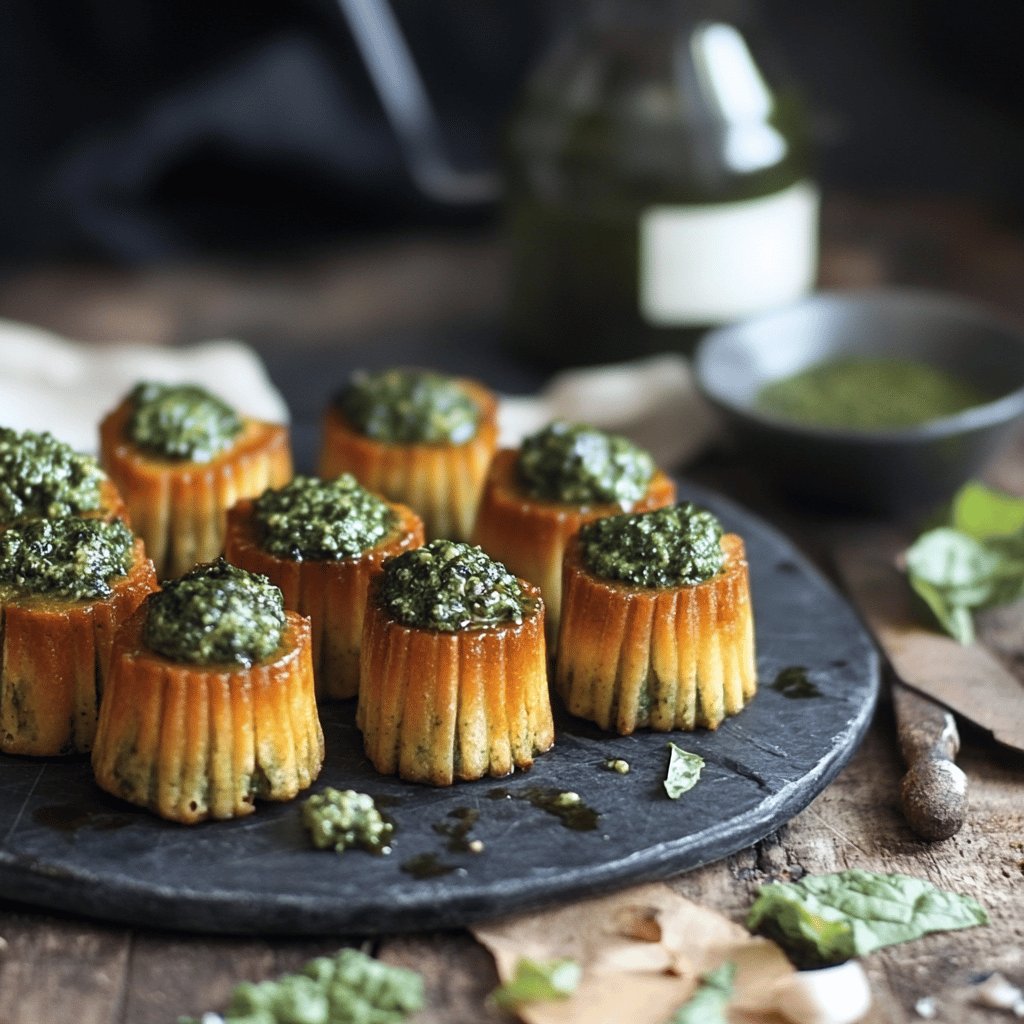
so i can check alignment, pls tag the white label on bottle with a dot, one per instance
(711, 264)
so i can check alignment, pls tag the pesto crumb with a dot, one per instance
(679, 545)
(216, 614)
(617, 765)
(447, 586)
(68, 558)
(322, 520)
(341, 820)
(181, 421)
(43, 477)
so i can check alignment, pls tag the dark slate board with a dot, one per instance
(68, 845)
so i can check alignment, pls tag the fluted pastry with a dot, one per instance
(438, 706)
(529, 533)
(331, 592)
(55, 659)
(191, 742)
(440, 480)
(178, 506)
(677, 657)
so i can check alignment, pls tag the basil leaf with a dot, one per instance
(683, 771)
(982, 512)
(535, 981)
(708, 1004)
(826, 919)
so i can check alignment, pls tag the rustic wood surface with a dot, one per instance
(56, 969)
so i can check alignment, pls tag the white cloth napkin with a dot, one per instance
(50, 383)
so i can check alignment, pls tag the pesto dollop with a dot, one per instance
(322, 519)
(409, 407)
(68, 558)
(867, 394)
(671, 547)
(342, 819)
(215, 614)
(181, 421)
(579, 464)
(41, 476)
(448, 586)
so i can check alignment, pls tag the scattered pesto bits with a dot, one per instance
(674, 546)
(341, 820)
(409, 407)
(41, 476)
(448, 586)
(322, 520)
(182, 421)
(347, 988)
(578, 464)
(215, 614)
(68, 558)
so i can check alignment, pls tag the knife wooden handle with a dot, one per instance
(934, 790)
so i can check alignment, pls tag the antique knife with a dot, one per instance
(934, 675)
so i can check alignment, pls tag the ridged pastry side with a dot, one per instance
(191, 742)
(529, 535)
(442, 482)
(179, 508)
(671, 658)
(55, 660)
(435, 707)
(331, 593)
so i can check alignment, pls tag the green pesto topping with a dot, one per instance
(68, 558)
(342, 819)
(182, 421)
(448, 586)
(867, 394)
(41, 476)
(671, 547)
(216, 614)
(409, 407)
(578, 464)
(322, 519)
(347, 988)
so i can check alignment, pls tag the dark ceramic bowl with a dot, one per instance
(887, 471)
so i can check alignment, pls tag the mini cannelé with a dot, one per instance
(320, 541)
(416, 437)
(66, 586)
(453, 682)
(537, 497)
(657, 628)
(181, 458)
(210, 701)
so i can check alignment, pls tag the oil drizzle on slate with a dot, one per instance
(794, 683)
(70, 818)
(428, 865)
(457, 832)
(575, 815)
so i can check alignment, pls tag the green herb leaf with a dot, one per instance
(536, 981)
(982, 512)
(684, 770)
(708, 1004)
(826, 919)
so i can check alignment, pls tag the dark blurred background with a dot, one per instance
(143, 131)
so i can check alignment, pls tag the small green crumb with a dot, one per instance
(616, 764)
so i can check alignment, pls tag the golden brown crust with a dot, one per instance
(442, 482)
(435, 707)
(191, 742)
(668, 658)
(179, 508)
(530, 535)
(55, 662)
(331, 593)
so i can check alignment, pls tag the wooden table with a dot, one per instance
(58, 969)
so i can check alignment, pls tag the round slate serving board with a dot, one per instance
(65, 844)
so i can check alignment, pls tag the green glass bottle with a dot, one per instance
(659, 183)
